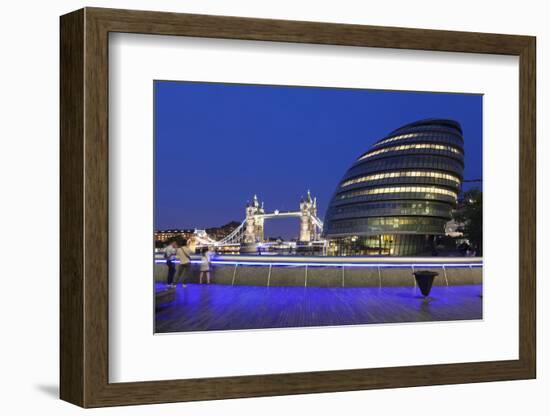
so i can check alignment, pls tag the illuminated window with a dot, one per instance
(401, 137)
(410, 174)
(431, 146)
(400, 189)
(410, 136)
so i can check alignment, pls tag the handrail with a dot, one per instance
(348, 259)
(328, 261)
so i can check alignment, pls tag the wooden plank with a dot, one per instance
(528, 209)
(72, 368)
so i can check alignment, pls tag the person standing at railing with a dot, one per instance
(205, 265)
(183, 253)
(169, 256)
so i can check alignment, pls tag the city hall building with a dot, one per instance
(398, 196)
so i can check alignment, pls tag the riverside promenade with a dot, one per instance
(254, 292)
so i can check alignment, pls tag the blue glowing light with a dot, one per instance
(226, 307)
(319, 264)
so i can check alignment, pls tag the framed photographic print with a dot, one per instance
(257, 207)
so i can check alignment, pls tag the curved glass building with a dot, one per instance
(399, 194)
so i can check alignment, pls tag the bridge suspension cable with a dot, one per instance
(237, 236)
(317, 221)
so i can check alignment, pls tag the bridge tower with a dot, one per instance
(308, 210)
(254, 231)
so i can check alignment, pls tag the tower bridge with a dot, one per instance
(251, 229)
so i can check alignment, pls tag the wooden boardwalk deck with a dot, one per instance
(223, 307)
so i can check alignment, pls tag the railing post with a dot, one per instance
(234, 274)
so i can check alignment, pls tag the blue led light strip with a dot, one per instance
(383, 265)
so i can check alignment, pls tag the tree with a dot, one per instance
(470, 213)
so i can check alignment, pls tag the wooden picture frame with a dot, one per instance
(84, 207)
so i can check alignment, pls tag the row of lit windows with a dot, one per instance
(395, 222)
(407, 136)
(168, 234)
(381, 244)
(391, 205)
(444, 211)
(411, 162)
(431, 146)
(431, 129)
(414, 174)
(399, 189)
(401, 137)
(373, 225)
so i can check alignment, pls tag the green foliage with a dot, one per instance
(470, 213)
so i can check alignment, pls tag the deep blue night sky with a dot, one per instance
(218, 144)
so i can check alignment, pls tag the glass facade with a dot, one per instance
(411, 147)
(399, 194)
(380, 245)
(415, 175)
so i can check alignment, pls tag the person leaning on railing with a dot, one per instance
(169, 254)
(183, 253)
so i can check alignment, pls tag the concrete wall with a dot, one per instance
(326, 276)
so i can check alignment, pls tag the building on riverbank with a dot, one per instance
(397, 196)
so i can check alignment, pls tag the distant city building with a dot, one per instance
(166, 235)
(215, 233)
(219, 233)
(399, 194)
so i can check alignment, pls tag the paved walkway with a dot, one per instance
(224, 307)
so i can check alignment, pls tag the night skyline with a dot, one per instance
(216, 145)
